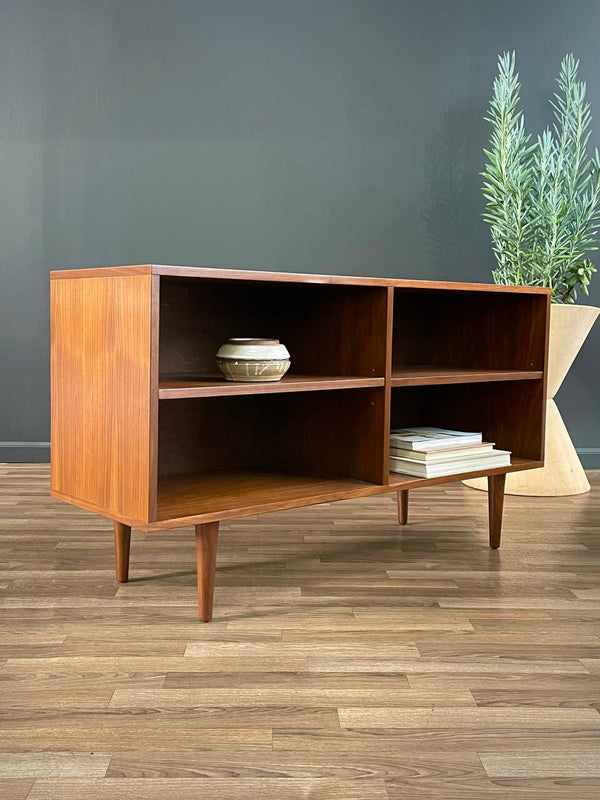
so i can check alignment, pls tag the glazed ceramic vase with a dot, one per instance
(562, 473)
(254, 360)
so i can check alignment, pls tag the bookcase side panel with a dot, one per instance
(101, 378)
(542, 324)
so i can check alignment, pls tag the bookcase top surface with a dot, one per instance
(284, 277)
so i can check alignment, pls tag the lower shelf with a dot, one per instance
(399, 481)
(199, 497)
(227, 495)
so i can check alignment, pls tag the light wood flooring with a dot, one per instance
(348, 658)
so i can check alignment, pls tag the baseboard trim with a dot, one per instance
(39, 453)
(590, 457)
(25, 452)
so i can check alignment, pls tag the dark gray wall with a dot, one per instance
(302, 135)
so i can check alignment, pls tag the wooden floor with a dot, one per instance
(348, 658)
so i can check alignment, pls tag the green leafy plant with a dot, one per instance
(543, 196)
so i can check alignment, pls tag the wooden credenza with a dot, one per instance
(147, 433)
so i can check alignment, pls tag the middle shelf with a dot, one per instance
(205, 497)
(431, 375)
(172, 387)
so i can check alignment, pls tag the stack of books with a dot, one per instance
(435, 452)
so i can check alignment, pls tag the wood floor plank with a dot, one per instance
(56, 699)
(363, 742)
(542, 765)
(54, 764)
(584, 697)
(521, 718)
(292, 696)
(525, 602)
(15, 788)
(154, 664)
(287, 764)
(587, 594)
(474, 787)
(343, 650)
(168, 719)
(280, 680)
(24, 684)
(210, 788)
(506, 682)
(408, 666)
(83, 734)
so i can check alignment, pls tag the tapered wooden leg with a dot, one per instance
(495, 506)
(122, 540)
(206, 565)
(403, 506)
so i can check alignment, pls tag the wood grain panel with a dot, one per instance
(101, 334)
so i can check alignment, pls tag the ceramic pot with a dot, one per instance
(562, 473)
(254, 360)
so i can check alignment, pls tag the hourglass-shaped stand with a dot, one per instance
(562, 473)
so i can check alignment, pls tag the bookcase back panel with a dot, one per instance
(342, 433)
(332, 432)
(328, 329)
(511, 414)
(482, 330)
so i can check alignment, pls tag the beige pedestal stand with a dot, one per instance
(562, 473)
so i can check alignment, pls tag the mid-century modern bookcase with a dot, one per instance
(146, 433)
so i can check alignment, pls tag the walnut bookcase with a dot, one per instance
(146, 433)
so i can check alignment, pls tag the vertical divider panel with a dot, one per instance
(389, 339)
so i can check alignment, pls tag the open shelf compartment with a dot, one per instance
(509, 413)
(443, 337)
(238, 493)
(336, 334)
(248, 453)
